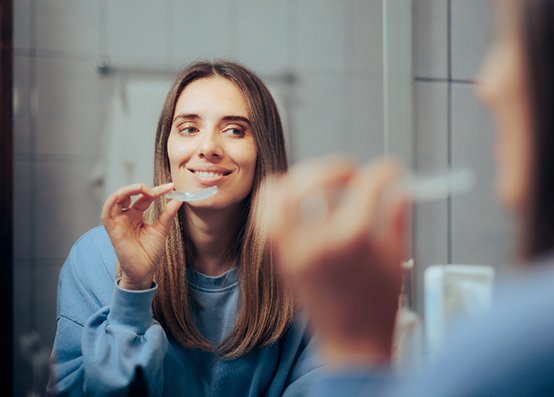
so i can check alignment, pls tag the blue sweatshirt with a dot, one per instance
(104, 332)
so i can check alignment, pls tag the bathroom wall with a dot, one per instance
(453, 130)
(333, 48)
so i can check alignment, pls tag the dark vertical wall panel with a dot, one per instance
(6, 190)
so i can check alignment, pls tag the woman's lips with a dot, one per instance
(209, 178)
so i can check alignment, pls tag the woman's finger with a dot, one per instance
(114, 206)
(168, 214)
(316, 175)
(144, 201)
(399, 222)
(305, 197)
(301, 195)
(120, 201)
(121, 206)
(364, 201)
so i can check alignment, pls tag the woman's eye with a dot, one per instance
(235, 131)
(188, 130)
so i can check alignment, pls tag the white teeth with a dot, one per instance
(208, 175)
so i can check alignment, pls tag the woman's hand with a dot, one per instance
(339, 235)
(138, 245)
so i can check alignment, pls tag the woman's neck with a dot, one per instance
(212, 232)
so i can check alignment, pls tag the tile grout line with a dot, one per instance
(449, 127)
(33, 99)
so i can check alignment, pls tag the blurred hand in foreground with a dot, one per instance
(339, 236)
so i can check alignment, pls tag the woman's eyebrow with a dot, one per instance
(186, 116)
(236, 119)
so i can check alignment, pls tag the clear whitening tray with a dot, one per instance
(192, 196)
(436, 187)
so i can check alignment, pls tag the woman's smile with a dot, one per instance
(209, 176)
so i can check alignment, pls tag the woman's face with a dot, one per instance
(503, 89)
(211, 142)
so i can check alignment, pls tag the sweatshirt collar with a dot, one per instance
(202, 281)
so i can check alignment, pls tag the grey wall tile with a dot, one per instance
(471, 36)
(321, 40)
(44, 298)
(137, 32)
(64, 207)
(34, 324)
(21, 104)
(319, 121)
(68, 120)
(430, 220)
(284, 97)
(365, 36)
(31, 347)
(363, 128)
(22, 306)
(481, 232)
(431, 128)
(430, 38)
(22, 199)
(69, 26)
(201, 29)
(262, 38)
(23, 24)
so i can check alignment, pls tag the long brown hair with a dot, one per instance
(265, 307)
(537, 34)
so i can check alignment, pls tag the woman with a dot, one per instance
(197, 308)
(347, 270)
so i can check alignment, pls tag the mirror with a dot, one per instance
(90, 76)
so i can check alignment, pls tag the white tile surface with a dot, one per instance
(365, 36)
(430, 239)
(431, 129)
(321, 42)
(201, 29)
(471, 35)
(319, 120)
(481, 232)
(137, 32)
(23, 23)
(69, 26)
(262, 38)
(64, 207)
(21, 104)
(284, 97)
(22, 231)
(68, 101)
(364, 117)
(430, 38)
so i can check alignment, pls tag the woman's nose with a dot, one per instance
(210, 147)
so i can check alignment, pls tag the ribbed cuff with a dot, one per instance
(132, 308)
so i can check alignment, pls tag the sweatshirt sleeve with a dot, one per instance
(103, 332)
